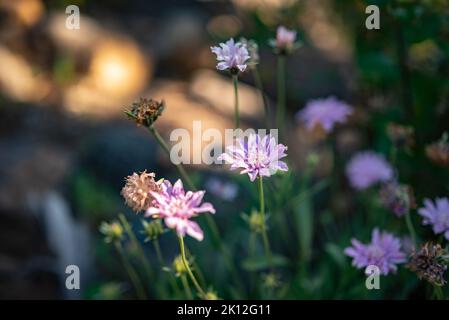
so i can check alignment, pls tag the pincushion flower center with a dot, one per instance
(375, 252)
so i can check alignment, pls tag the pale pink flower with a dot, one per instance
(177, 207)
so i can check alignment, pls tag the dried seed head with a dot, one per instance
(137, 190)
(146, 111)
(438, 152)
(429, 263)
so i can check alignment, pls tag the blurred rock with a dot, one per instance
(27, 11)
(218, 91)
(19, 80)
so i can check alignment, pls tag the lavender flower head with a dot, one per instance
(285, 39)
(257, 156)
(436, 214)
(384, 251)
(232, 56)
(177, 207)
(325, 113)
(368, 168)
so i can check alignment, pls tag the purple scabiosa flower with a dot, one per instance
(232, 56)
(257, 156)
(436, 214)
(384, 251)
(177, 207)
(368, 168)
(325, 113)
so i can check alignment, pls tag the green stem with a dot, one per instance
(259, 85)
(186, 286)
(131, 272)
(137, 246)
(189, 271)
(179, 166)
(160, 258)
(438, 293)
(280, 112)
(411, 229)
(266, 243)
(235, 81)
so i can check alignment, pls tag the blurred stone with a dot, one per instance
(19, 80)
(118, 72)
(79, 40)
(224, 26)
(27, 11)
(218, 91)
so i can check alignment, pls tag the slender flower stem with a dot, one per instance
(235, 81)
(161, 260)
(259, 85)
(280, 112)
(189, 271)
(438, 293)
(137, 246)
(131, 272)
(186, 286)
(179, 166)
(266, 243)
(411, 229)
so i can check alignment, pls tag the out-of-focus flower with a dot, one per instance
(384, 251)
(397, 197)
(179, 266)
(253, 50)
(177, 207)
(152, 230)
(257, 156)
(368, 168)
(211, 295)
(430, 263)
(146, 111)
(110, 291)
(232, 56)
(325, 113)
(285, 41)
(138, 188)
(401, 136)
(255, 221)
(437, 215)
(438, 152)
(271, 280)
(222, 189)
(112, 231)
